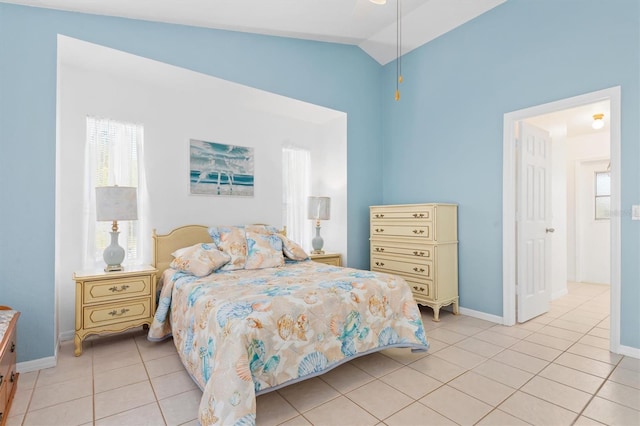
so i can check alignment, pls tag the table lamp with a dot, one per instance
(114, 203)
(318, 208)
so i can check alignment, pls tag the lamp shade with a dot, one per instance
(319, 208)
(116, 203)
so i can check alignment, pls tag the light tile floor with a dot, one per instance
(553, 370)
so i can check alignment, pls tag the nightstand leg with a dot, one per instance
(77, 341)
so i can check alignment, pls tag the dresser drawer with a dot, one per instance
(110, 290)
(421, 212)
(417, 250)
(101, 315)
(422, 231)
(422, 268)
(423, 288)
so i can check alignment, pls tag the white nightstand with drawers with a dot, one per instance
(110, 302)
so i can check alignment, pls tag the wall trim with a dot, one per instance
(36, 364)
(481, 315)
(613, 94)
(629, 351)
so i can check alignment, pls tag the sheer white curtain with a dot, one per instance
(296, 181)
(114, 156)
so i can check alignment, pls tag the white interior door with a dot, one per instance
(533, 226)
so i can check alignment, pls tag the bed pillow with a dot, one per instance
(292, 250)
(264, 250)
(232, 241)
(199, 260)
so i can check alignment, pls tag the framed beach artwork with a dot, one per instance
(219, 169)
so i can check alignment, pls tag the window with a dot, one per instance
(113, 156)
(296, 178)
(603, 195)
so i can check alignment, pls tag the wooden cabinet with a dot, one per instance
(418, 242)
(329, 258)
(108, 302)
(8, 374)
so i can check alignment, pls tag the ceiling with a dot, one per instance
(359, 22)
(574, 121)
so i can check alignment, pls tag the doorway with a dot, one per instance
(511, 120)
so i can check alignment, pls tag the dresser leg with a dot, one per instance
(436, 313)
(456, 308)
(77, 341)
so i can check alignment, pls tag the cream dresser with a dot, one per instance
(419, 242)
(108, 302)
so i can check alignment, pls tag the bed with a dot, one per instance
(243, 332)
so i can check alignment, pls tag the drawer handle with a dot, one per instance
(115, 289)
(115, 313)
(417, 215)
(378, 216)
(418, 231)
(379, 263)
(379, 249)
(13, 346)
(1, 379)
(418, 269)
(418, 253)
(416, 288)
(13, 377)
(379, 229)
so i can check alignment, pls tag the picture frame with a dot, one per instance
(220, 170)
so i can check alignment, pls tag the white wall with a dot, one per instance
(172, 114)
(588, 241)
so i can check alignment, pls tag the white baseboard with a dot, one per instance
(66, 336)
(629, 351)
(36, 364)
(481, 315)
(560, 293)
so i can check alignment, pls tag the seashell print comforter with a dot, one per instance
(243, 333)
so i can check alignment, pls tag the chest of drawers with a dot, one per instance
(108, 302)
(8, 374)
(418, 242)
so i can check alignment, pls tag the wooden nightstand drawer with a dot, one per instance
(333, 259)
(110, 290)
(101, 315)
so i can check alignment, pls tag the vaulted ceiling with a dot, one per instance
(370, 26)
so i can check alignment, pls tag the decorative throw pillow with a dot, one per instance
(232, 241)
(199, 260)
(292, 250)
(263, 250)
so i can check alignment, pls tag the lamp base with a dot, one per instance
(113, 254)
(113, 268)
(317, 252)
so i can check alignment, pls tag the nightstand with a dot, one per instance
(109, 302)
(329, 258)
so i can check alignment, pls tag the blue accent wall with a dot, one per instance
(337, 76)
(443, 140)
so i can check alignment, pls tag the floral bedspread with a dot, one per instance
(241, 333)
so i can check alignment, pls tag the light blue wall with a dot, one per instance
(336, 76)
(443, 141)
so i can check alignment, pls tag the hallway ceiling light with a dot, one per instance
(378, 1)
(598, 121)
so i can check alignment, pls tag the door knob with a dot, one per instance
(550, 230)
